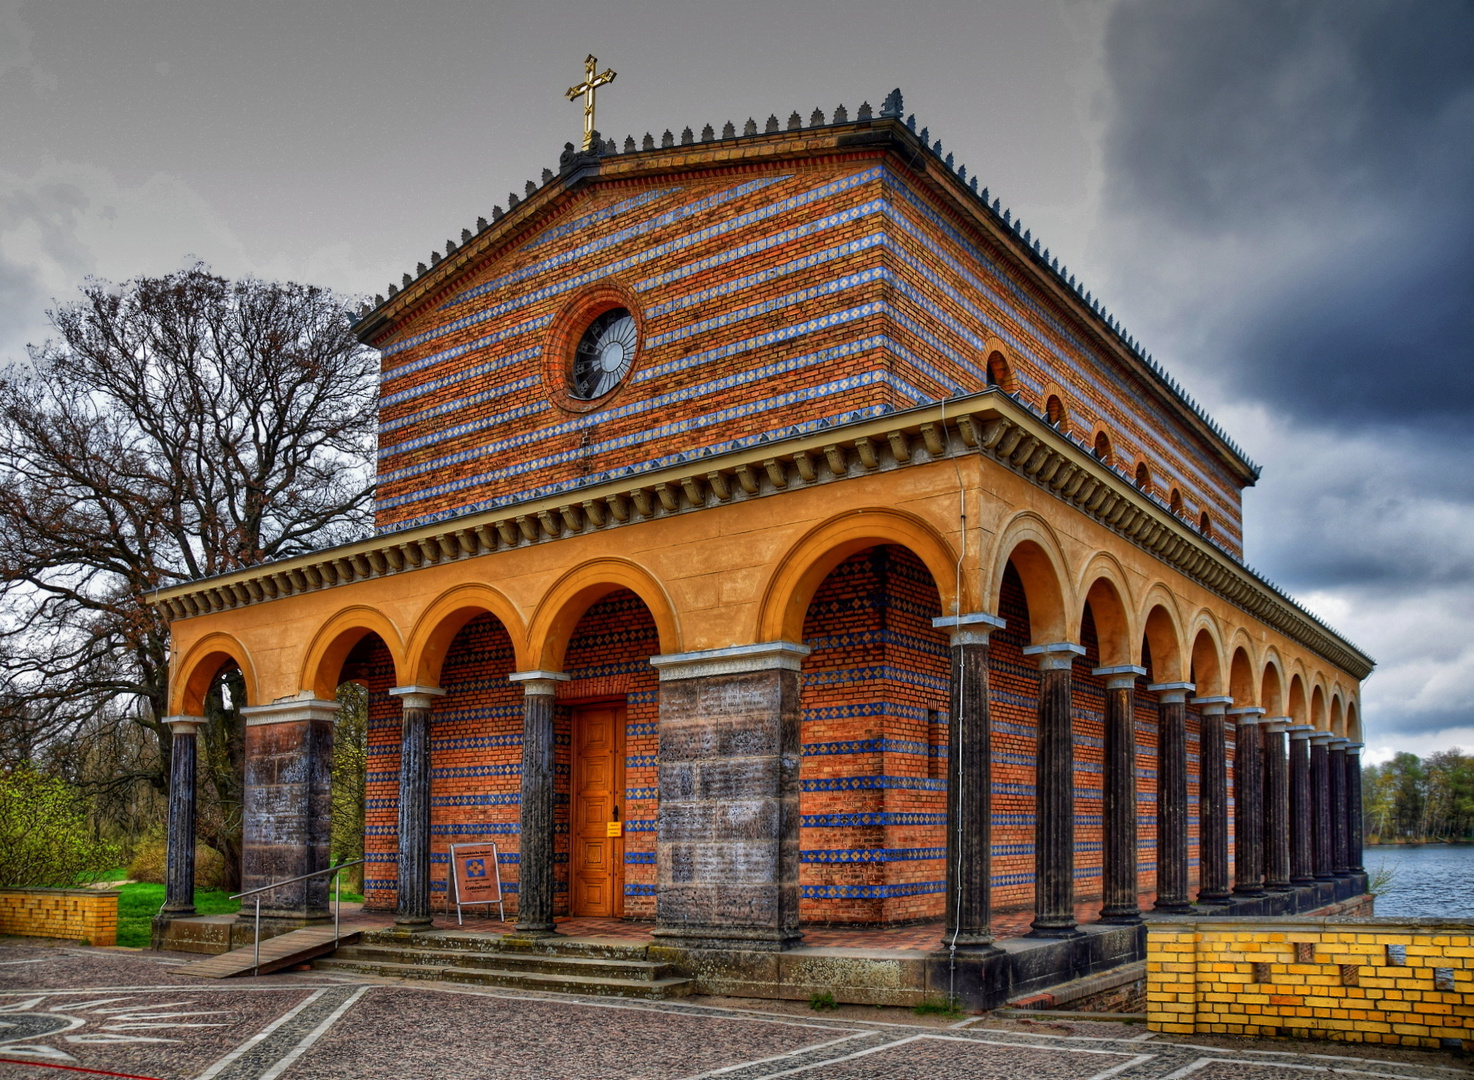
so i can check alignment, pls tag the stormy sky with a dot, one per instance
(1275, 197)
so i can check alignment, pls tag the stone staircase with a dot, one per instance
(563, 965)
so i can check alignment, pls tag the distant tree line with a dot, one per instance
(1418, 800)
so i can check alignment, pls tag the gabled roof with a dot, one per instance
(914, 149)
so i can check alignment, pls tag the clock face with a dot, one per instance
(604, 355)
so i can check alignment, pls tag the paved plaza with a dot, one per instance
(69, 1011)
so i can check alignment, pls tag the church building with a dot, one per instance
(771, 534)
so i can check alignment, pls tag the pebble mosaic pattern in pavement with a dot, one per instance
(69, 1011)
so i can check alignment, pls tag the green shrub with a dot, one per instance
(150, 863)
(936, 1006)
(822, 1002)
(44, 838)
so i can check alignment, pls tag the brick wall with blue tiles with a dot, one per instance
(792, 299)
(1013, 683)
(874, 701)
(1148, 766)
(369, 663)
(1087, 710)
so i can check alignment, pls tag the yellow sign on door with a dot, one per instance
(614, 828)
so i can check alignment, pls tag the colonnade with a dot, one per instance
(1297, 799)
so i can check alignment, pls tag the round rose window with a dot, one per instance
(604, 354)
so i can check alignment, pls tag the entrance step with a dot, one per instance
(278, 952)
(484, 963)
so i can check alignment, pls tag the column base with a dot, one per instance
(1119, 916)
(533, 933)
(1224, 897)
(974, 942)
(1248, 890)
(1173, 907)
(1296, 882)
(414, 924)
(1278, 886)
(1048, 928)
(182, 911)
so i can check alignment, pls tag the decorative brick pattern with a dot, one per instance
(87, 915)
(1249, 977)
(874, 701)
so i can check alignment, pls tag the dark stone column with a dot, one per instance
(1054, 794)
(412, 914)
(286, 811)
(1353, 807)
(1302, 823)
(1213, 802)
(969, 785)
(1320, 805)
(727, 840)
(1172, 815)
(535, 878)
(1276, 805)
(1119, 877)
(1340, 825)
(1248, 794)
(179, 857)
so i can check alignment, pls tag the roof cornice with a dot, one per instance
(991, 423)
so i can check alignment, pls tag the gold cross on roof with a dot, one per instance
(591, 82)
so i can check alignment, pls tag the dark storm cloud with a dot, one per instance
(1349, 124)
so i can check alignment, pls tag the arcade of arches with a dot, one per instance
(864, 718)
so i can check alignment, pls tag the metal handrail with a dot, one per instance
(337, 903)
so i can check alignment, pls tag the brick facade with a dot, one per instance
(88, 915)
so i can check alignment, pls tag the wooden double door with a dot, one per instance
(596, 876)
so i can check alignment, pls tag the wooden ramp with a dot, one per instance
(282, 951)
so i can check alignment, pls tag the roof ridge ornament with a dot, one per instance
(585, 89)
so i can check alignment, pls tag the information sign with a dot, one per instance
(476, 877)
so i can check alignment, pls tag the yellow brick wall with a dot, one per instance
(89, 915)
(1372, 980)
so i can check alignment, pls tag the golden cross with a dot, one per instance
(591, 82)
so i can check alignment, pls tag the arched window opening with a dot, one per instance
(1000, 374)
(1054, 411)
(1143, 476)
(1103, 447)
(1174, 502)
(1205, 524)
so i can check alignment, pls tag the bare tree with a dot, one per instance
(177, 428)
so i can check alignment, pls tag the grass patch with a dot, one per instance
(139, 903)
(937, 1006)
(347, 896)
(823, 1002)
(117, 873)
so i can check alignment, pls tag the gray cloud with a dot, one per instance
(1337, 139)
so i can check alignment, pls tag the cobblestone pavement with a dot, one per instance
(69, 1011)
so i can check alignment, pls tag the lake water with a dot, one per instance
(1434, 881)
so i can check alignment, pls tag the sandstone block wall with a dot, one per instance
(89, 915)
(1374, 980)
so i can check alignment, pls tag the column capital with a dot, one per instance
(1299, 731)
(417, 697)
(184, 725)
(1320, 738)
(1249, 714)
(1276, 724)
(1055, 655)
(290, 710)
(969, 629)
(537, 683)
(733, 660)
(1212, 706)
(1119, 677)
(1339, 742)
(1355, 748)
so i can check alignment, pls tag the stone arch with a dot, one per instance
(203, 661)
(1241, 682)
(1174, 501)
(1208, 670)
(1335, 719)
(1031, 546)
(336, 638)
(1353, 723)
(1296, 707)
(1103, 587)
(1162, 636)
(1317, 717)
(580, 589)
(439, 624)
(1272, 684)
(803, 569)
(1143, 476)
(1103, 446)
(1056, 407)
